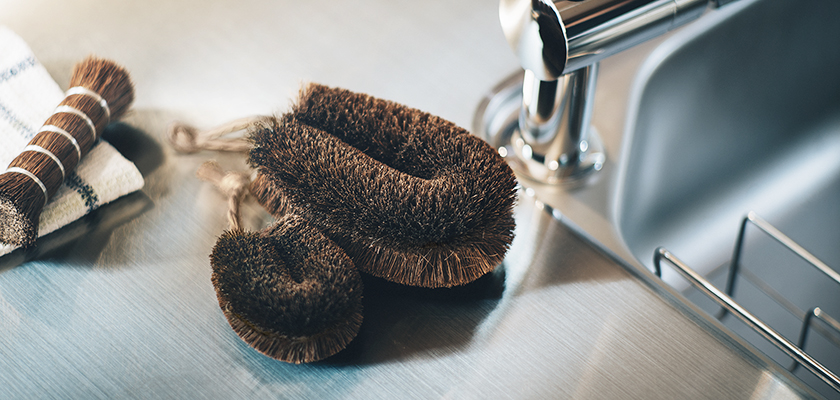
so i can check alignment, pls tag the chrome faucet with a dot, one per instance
(559, 45)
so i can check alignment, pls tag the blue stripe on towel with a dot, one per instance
(10, 73)
(86, 191)
(7, 115)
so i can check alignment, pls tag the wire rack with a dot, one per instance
(814, 319)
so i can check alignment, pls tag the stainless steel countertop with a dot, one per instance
(120, 303)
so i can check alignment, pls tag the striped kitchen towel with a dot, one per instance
(28, 96)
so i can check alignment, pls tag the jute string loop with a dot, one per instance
(187, 139)
(234, 185)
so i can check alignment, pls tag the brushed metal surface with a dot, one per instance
(120, 304)
(751, 133)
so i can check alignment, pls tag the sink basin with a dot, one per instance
(744, 117)
(736, 115)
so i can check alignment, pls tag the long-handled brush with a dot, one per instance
(411, 197)
(101, 91)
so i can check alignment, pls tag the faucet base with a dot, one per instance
(497, 121)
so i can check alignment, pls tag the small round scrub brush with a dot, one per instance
(409, 196)
(100, 92)
(287, 291)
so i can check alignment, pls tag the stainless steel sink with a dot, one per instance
(737, 113)
(743, 115)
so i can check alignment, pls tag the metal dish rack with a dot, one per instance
(813, 319)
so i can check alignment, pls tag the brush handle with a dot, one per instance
(67, 135)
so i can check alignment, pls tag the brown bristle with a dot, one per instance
(64, 139)
(270, 197)
(76, 125)
(288, 291)
(410, 197)
(108, 79)
(21, 202)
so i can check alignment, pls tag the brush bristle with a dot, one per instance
(410, 197)
(21, 198)
(270, 196)
(289, 292)
(21, 202)
(108, 79)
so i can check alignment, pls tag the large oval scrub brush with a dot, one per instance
(411, 197)
(101, 91)
(287, 291)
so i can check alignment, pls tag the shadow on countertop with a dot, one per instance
(403, 321)
(135, 145)
(400, 323)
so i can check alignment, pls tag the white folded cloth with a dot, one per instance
(28, 95)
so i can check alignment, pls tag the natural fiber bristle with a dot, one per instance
(270, 196)
(289, 292)
(20, 207)
(410, 197)
(55, 151)
(108, 79)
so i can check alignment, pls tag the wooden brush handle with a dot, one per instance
(67, 135)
